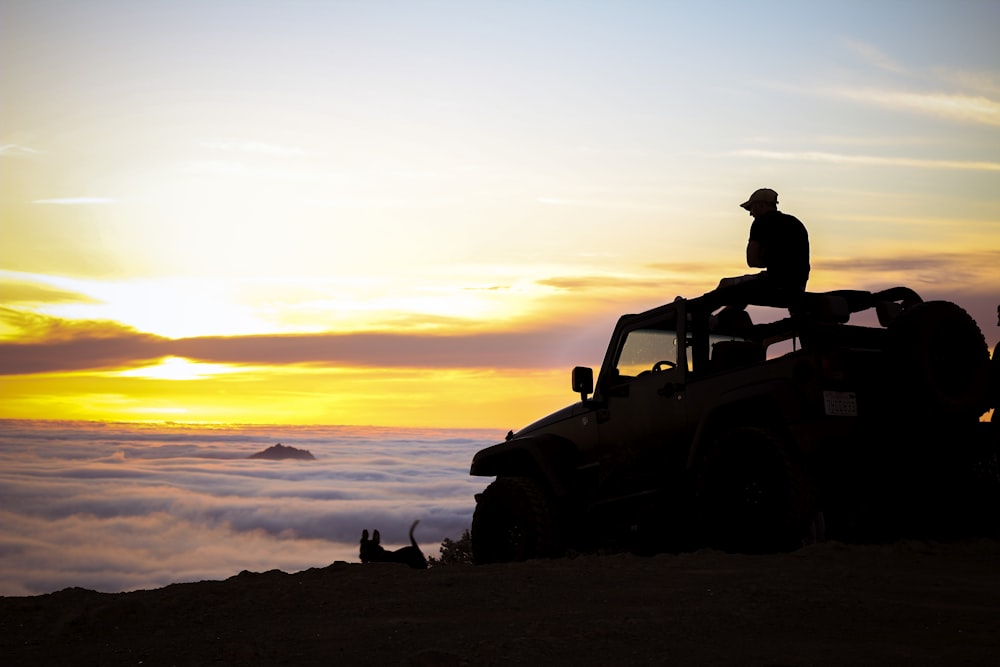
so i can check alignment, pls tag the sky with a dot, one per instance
(426, 213)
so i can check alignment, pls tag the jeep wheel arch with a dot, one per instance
(546, 457)
(750, 408)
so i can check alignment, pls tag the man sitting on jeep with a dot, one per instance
(778, 243)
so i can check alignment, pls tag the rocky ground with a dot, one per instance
(909, 603)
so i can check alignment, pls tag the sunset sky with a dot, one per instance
(425, 213)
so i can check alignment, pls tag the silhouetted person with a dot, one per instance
(778, 243)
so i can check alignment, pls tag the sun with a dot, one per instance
(177, 368)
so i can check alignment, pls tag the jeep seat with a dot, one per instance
(734, 353)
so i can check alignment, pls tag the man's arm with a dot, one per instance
(755, 254)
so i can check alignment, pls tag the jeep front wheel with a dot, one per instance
(512, 522)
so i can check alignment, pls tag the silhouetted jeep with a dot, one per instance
(707, 429)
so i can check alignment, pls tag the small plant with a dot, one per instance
(454, 552)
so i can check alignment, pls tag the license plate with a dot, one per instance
(840, 403)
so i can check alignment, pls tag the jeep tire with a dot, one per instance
(513, 522)
(752, 498)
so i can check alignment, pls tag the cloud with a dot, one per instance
(44, 344)
(118, 507)
(494, 350)
(56, 344)
(965, 108)
(956, 95)
(650, 279)
(690, 268)
(969, 279)
(46, 328)
(82, 353)
(17, 150)
(602, 282)
(26, 292)
(868, 160)
(48, 344)
(985, 83)
(968, 263)
(875, 57)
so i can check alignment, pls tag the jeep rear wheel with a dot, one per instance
(752, 498)
(512, 522)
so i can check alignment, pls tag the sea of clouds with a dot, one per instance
(119, 507)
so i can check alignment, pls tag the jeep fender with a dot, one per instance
(748, 406)
(548, 458)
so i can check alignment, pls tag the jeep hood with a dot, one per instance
(547, 421)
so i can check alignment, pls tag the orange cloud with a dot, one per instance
(44, 344)
(49, 345)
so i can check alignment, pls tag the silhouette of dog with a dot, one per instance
(373, 552)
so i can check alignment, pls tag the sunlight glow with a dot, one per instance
(178, 368)
(450, 189)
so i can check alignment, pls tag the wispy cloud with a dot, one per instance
(956, 95)
(955, 106)
(38, 327)
(25, 292)
(17, 150)
(76, 201)
(969, 268)
(603, 282)
(868, 160)
(984, 83)
(875, 57)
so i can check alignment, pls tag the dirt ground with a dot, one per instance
(909, 603)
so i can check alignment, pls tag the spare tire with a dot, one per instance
(938, 363)
(995, 384)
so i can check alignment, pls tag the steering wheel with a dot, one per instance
(663, 365)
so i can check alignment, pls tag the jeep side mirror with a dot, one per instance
(583, 381)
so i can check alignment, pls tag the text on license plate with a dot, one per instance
(840, 403)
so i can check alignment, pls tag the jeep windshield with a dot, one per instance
(647, 350)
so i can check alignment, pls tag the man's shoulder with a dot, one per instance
(782, 214)
(786, 218)
(773, 218)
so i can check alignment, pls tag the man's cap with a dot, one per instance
(764, 195)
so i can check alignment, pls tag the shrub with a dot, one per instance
(454, 552)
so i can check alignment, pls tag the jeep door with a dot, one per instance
(642, 428)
